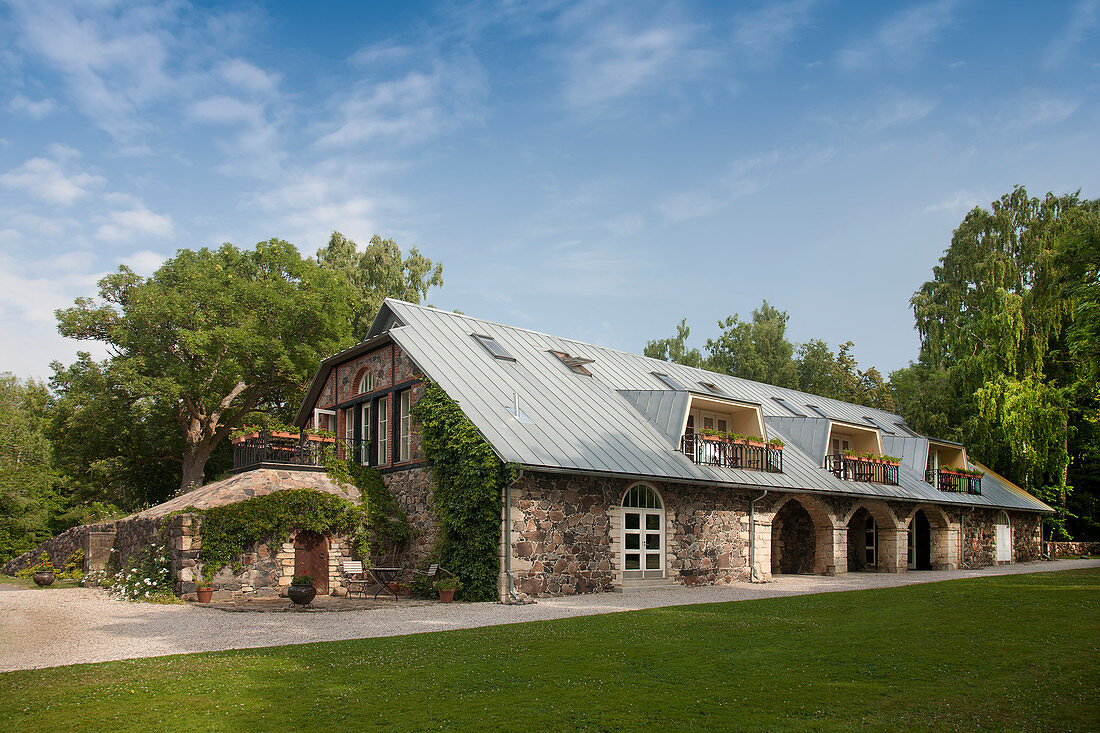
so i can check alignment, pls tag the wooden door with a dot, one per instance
(311, 558)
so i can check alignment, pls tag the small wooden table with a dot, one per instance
(385, 577)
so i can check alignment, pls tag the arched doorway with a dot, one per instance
(1003, 530)
(794, 540)
(643, 533)
(862, 541)
(920, 542)
(311, 558)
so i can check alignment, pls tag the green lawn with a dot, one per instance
(1004, 653)
(29, 584)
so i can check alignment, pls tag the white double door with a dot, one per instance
(1004, 541)
(643, 543)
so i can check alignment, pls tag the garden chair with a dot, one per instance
(354, 578)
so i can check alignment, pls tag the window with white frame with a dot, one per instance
(383, 429)
(349, 432)
(364, 446)
(405, 449)
(366, 383)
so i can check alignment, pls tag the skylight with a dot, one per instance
(575, 363)
(879, 425)
(818, 411)
(711, 387)
(906, 429)
(493, 347)
(787, 406)
(669, 381)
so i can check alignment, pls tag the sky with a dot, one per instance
(594, 170)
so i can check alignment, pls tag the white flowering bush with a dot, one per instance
(145, 577)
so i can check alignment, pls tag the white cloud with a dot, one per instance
(250, 78)
(898, 111)
(683, 206)
(615, 57)
(47, 180)
(956, 203)
(125, 225)
(1035, 109)
(1084, 19)
(416, 107)
(35, 109)
(144, 262)
(902, 38)
(764, 33)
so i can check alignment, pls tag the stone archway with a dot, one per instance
(932, 539)
(794, 540)
(311, 558)
(863, 541)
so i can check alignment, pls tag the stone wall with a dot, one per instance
(794, 540)
(1026, 536)
(1074, 549)
(412, 489)
(126, 537)
(707, 534)
(980, 537)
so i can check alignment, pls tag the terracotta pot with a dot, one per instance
(205, 593)
(243, 438)
(446, 596)
(44, 578)
(301, 594)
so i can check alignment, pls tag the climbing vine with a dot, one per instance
(468, 481)
(385, 526)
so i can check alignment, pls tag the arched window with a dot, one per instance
(1003, 531)
(366, 383)
(643, 534)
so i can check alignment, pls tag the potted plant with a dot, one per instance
(44, 574)
(776, 443)
(204, 589)
(301, 589)
(447, 588)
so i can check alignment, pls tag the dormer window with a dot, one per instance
(729, 434)
(576, 364)
(366, 383)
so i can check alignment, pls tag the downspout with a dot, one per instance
(511, 589)
(754, 576)
(962, 536)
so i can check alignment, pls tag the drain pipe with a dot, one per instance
(511, 590)
(754, 576)
(962, 536)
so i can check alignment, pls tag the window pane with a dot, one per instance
(653, 541)
(632, 542)
(652, 562)
(653, 522)
(632, 562)
(632, 521)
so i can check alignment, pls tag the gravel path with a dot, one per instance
(72, 626)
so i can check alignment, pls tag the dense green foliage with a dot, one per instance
(469, 481)
(146, 576)
(385, 528)
(826, 662)
(1008, 352)
(30, 502)
(228, 530)
(759, 350)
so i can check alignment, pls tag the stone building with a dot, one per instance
(634, 471)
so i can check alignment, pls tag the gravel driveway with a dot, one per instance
(71, 626)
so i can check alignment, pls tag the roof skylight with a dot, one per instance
(906, 429)
(817, 410)
(493, 347)
(787, 406)
(669, 381)
(711, 387)
(575, 363)
(879, 425)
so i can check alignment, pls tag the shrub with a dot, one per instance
(146, 576)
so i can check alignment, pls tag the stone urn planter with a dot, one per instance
(301, 590)
(44, 578)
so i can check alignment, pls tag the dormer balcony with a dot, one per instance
(955, 480)
(727, 452)
(864, 469)
(279, 449)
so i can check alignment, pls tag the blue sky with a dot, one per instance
(593, 170)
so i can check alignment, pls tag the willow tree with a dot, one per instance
(992, 323)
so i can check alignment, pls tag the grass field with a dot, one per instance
(1015, 652)
(29, 584)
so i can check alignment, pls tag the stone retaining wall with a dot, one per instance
(1074, 549)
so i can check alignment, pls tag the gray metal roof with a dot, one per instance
(622, 420)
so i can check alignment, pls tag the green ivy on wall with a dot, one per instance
(468, 482)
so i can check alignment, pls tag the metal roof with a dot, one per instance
(618, 421)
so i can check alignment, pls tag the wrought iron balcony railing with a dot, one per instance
(712, 451)
(960, 483)
(290, 449)
(857, 468)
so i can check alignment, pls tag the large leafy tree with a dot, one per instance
(215, 334)
(28, 483)
(675, 349)
(994, 322)
(756, 349)
(377, 272)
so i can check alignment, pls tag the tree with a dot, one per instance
(994, 321)
(675, 349)
(213, 334)
(756, 350)
(816, 368)
(28, 483)
(377, 273)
